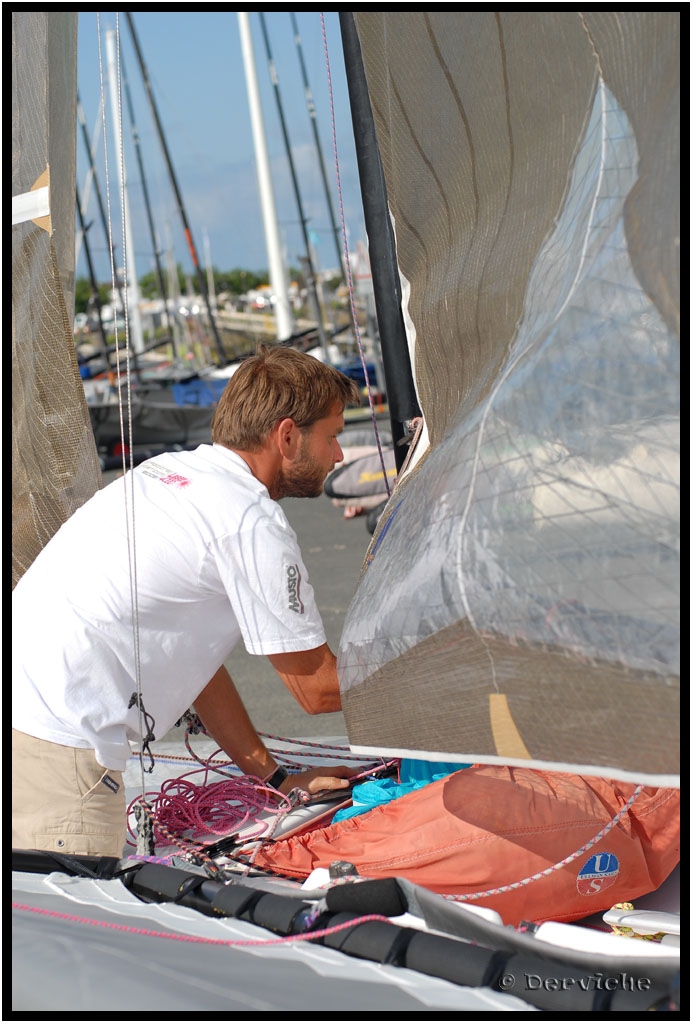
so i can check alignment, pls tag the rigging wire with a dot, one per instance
(312, 283)
(316, 136)
(128, 490)
(148, 207)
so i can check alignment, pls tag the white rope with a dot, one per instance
(560, 864)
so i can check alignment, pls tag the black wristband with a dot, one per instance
(276, 780)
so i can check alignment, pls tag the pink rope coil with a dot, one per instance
(185, 808)
(186, 811)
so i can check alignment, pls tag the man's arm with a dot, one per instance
(226, 720)
(311, 678)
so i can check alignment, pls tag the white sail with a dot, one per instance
(521, 602)
(54, 463)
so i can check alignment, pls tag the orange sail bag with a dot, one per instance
(488, 829)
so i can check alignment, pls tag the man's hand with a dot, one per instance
(317, 780)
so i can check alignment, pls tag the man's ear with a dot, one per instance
(288, 436)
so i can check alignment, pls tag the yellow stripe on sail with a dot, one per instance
(506, 735)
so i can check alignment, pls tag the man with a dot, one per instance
(125, 618)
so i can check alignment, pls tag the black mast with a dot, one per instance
(99, 200)
(202, 284)
(92, 279)
(399, 382)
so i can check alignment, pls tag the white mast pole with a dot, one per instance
(277, 273)
(132, 286)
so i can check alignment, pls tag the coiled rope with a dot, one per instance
(215, 799)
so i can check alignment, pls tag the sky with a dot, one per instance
(197, 75)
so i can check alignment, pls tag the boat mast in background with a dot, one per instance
(94, 287)
(202, 284)
(150, 219)
(277, 272)
(314, 124)
(307, 260)
(82, 204)
(132, 289)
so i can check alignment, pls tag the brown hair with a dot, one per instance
(277, 382)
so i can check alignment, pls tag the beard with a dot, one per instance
(304, 479)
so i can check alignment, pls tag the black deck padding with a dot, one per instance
(460, 962)
(371, 940)
(276, 913)
(160, 882)
(379, 896)
(234, 900)
(42, 862)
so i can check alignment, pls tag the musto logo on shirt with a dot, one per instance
(293, 580)
(597, 874)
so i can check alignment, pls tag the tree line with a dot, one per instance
(234, 282)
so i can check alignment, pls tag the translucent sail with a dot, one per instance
(520, 601)
(54, 462)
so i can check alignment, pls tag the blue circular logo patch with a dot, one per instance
(597, 874)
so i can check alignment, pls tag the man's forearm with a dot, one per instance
(225, 718)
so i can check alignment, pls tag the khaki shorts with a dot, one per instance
(64, 801)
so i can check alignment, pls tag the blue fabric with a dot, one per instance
(415, 770)
(198, 391)
(414, 774)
